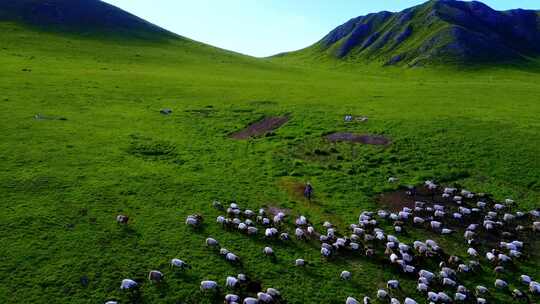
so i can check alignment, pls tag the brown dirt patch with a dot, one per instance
(359, 138)
(261, 127)
(397, 200)
(294, 188)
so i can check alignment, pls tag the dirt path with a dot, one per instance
(261, 127)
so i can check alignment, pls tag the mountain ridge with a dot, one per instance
(438, 31)
(82, 17)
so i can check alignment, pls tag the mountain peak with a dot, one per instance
(81, 16)
(438, 31)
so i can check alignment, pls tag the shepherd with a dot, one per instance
(308, 191)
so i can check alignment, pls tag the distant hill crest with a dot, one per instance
(438, 31)
(80, 16)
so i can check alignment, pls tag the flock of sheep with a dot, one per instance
(455, 210)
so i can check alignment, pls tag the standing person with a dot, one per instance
(308, 191)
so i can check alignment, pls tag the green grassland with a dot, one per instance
(62, 182)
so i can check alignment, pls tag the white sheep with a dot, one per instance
(409, 301)
(250, 300)
(433, 296)
(210, 242)
(231, 257)
(155, 276)
(179, 264)
(231, 282)
(351, 300)
(268, 251)
(435, 224)
(392, 284)
(448, 282)
(128, 284)
(232, 298)
(252, 230)
(500, 284)
(326, 252)
(273, 292)
(460, 297)
(345, 275)
(394, 301)
(534, 288)
(209, 286)
(264, 297)
(299, 233)
(422, 287)
(382, 294)
(525, 279)
(472, 252)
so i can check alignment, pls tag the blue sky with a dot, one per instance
(266, 27)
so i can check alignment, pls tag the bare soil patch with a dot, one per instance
(294, 189)
(397, 200)
(365, 139)
(261, 127)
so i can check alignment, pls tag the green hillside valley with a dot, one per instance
(104, 116)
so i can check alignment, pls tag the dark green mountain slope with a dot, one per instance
(88, 17)
(438, 31)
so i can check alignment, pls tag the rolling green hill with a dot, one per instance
(436, 32)
(82, 140)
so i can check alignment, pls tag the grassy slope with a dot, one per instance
(63, 182)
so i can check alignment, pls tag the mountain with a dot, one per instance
(80, 17)
(438, 31)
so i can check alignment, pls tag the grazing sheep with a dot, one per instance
(252, 230)
(433, 296)
(155, 276)
(273, 292)
(299, 262)
(366, 300)
(448, 282)
(525, 279)
(394, 301)
(459, 297)
(351, 300)
(325, 252)
(284, 236)
(264, 297)
(210, 242)
(392, 284)
(268, 251)
(128, 284)
(345, 275)
(534, 288)
(435, 224)
(111, 302)
(472, 252)
(301, 221)
(422, 287)
(122, 219)
(500, 284)
(382, 294)
(409, 301)
(231, 257)
(209, 286)
(194, 220)
(179, 264)
(231, 298)
(250, 300)
(443, 297)
(327, 224)
(231, 282)
(299, 233)
(518, 294)
(481, 290)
